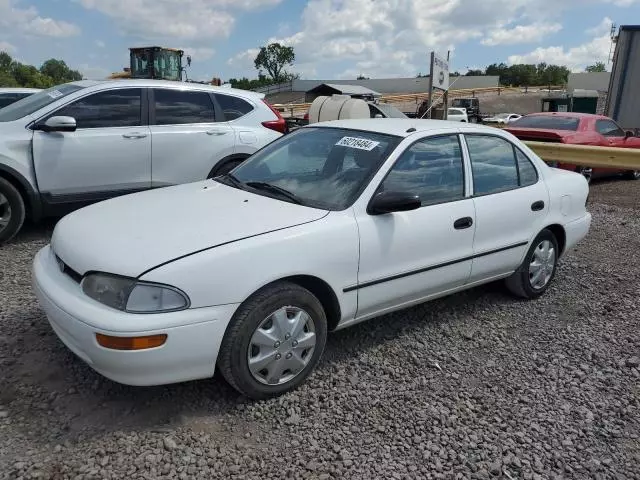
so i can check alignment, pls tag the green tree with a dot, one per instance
(52, 72)
(596, 67)
(59, 71)
(274, 58)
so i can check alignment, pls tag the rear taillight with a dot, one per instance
(279, 125)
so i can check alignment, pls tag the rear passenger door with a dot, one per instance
(511, 204)
(188, 138)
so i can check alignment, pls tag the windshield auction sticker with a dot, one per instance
(359, 143)
(55, 94)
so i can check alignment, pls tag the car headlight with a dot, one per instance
(130, 295)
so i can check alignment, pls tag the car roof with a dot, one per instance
(142, 82)
(400, 127)
(566, 115)
(18, 90)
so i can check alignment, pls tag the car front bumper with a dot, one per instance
(189, 353)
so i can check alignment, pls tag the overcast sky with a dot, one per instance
(332, 38)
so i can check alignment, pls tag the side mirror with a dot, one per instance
(628, 133)
(57, 124)
(389, 202)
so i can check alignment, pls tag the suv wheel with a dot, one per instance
(12, 211)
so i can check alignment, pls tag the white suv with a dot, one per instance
(82, 142)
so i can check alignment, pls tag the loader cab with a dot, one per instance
(156, 63)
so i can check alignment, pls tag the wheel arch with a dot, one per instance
(560, 234)
(320, 289)
(29, 195)
(228, 158)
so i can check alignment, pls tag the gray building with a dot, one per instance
(386, 86)
(588, 81)
(623, 103)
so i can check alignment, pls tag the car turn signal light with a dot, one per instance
(131, 343)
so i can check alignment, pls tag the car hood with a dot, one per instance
(132, 234)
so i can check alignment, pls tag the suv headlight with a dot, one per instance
(133, 296)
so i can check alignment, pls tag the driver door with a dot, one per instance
(406, 257)
(109, 153)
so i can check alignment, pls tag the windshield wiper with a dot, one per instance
(275, 189)
(230, 178)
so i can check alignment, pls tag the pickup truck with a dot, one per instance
(82, 142)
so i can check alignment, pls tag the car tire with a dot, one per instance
(266, 317)
(522, 283)
(632, 175)
(12, 211)
(224, 168)
(586, 172)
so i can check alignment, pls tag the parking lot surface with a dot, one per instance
(477, 385)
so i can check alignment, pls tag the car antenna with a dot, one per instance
(412, 129)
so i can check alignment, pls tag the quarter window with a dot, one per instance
(609, 128)
(113, 108)
(431, 168)
(493, 164)
(176, 107)
(233, 107)
(528, 173)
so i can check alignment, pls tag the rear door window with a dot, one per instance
(179, 107)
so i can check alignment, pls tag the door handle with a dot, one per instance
(537, 206)
(463, 223)
(216, 132)
(134, 135)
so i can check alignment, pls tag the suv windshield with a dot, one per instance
(35, 102)
(546, 122)
(320, 167)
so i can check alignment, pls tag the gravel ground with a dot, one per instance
(477, 385)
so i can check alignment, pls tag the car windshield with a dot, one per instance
(390, 111)
(454, 111)
(35, 102)
(320, 167)
(546, 122)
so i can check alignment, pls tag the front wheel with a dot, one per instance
(273, 341)
(632, 175)
(534, 275)
(12, 211)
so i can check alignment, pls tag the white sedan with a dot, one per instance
(502, 118)
(457, 114)
(331, 225)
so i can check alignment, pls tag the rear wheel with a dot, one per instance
(12, 211)
(632, 175)
(273, 341)
(224, 167)
(587, 172)
(534, 275)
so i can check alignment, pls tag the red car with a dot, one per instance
(576, 129)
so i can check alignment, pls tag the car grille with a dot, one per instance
(64, 268)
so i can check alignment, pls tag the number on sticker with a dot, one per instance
(359, 143)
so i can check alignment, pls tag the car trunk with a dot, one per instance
(540, 134)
